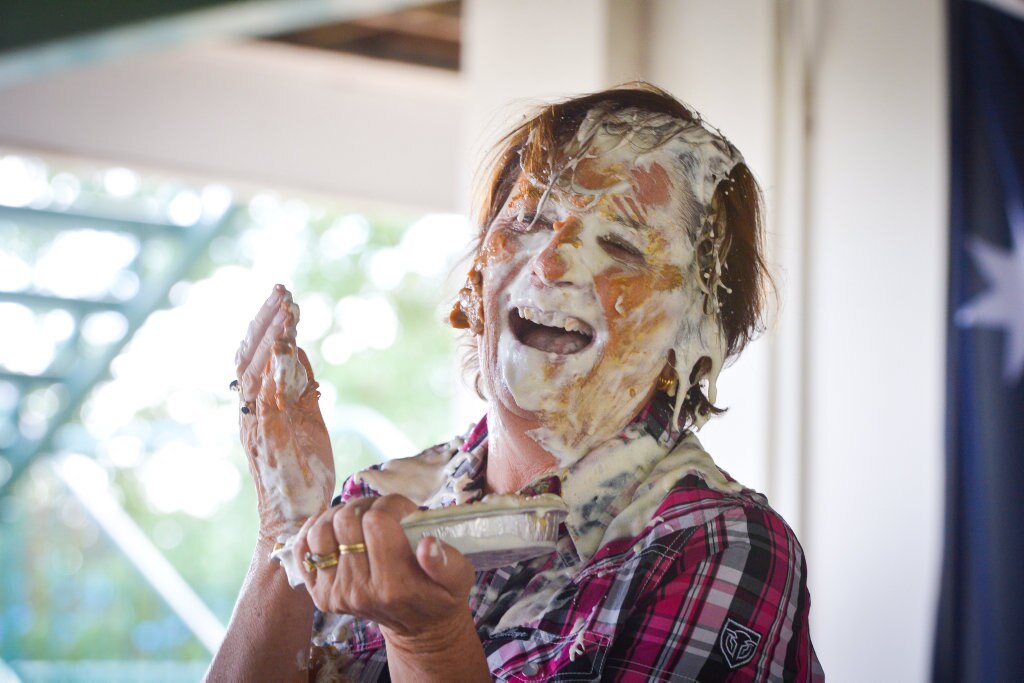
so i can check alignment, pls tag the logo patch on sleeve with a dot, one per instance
(737, 643)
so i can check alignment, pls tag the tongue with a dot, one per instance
(554, 340)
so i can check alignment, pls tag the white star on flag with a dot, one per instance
(1001, 305)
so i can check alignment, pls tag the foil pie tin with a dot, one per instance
(495, 532)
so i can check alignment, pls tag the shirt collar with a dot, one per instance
(597, 488)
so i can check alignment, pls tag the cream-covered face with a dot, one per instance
(584, 294)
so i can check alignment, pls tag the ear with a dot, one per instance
(468, 311)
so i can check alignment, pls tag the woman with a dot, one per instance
(618, 266)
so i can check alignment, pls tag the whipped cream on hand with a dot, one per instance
(283, 433)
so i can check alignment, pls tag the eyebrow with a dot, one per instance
(625, 220)
(624, 207)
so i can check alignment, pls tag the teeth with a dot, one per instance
(553, 319)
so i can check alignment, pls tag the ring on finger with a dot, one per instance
(313, 561)
(346, 548)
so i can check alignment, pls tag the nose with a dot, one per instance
(554, 264)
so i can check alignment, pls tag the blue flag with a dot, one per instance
(980, 633)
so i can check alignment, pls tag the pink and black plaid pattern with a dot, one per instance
(713, 589)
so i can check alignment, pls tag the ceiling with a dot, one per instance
(27, 23)
(414, 32)
(429, 35)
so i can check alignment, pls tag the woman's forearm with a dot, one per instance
(453, 653)
(268, 637)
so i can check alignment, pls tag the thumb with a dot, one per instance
(445, 565)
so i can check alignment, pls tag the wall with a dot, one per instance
(869, 298)
(877, 336)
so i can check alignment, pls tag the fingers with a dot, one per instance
(268, 431)
(441, 563)
(275, 322)
(278, 330)
(323, 559)
(302, 547)
(376, 575)
(289, 374)
(320, 536)
(389, 510)
(381, 523)
(351, 542)
(311, 384)
(363, 533)
(288, 379)
(285, 383)
(445, 565)
(259, 325)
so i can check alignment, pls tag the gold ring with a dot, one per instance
(345, 549)
(314, 561)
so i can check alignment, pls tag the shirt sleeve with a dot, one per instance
(728, 601)
(351, 488)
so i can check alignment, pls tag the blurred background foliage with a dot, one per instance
(373, 287)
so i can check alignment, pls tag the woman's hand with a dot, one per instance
(418, 600)
(282, 431)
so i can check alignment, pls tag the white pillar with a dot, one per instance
(516, 54)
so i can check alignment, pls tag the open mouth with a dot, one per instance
(550, 332)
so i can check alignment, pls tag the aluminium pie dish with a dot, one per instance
(494, 532)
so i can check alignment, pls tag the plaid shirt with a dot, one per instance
(712, 588)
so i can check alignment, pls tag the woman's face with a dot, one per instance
(584, 295)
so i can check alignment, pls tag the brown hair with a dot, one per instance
(736, 205)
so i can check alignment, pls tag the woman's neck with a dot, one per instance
(514, 459)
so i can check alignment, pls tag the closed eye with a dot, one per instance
(620, 249)
(526, 222)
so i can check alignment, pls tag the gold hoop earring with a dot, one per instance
(667, 384)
